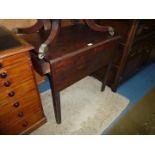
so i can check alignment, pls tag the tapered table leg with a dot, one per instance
(56, 105)
(104, 82)
(56, 101)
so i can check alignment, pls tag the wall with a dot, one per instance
(11, 23)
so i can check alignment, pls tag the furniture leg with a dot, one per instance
(114, 87)
(56, 101)
(104, 82)
(56, 105)
(125, 54)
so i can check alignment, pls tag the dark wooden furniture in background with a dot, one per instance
(71, 53)
(137, 42)
(20, 105)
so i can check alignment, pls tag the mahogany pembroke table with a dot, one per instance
(71, 53)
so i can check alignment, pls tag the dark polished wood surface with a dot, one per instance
(74, 38)
(72, 67)
(70, 39)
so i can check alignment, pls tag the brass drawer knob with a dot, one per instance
(11, 93)
(7, 83)
(20, 114)
(16, 104)
(25, 124)
(3, 75)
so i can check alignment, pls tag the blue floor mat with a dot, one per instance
(44, 86)
(139, 84)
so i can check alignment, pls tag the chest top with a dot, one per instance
(11, 44)
(7, 40)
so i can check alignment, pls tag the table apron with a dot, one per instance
(69, 70)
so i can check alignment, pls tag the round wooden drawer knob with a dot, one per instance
(11, 93)
(25, 124)
(16, 104)
(3, 75)
(7, 83)
(20, 114)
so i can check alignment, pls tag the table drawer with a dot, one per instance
(73, 68)
(10, 60)
(11, 94)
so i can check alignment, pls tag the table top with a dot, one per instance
(70, 40)
(75, 38)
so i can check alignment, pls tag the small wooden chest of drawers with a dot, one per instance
(20, 106)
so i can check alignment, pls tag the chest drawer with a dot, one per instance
(19, 104)
(10, 60)
(13, 93)
(24, 125)
(15, 74)
(9, 118)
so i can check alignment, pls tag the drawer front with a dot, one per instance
(15, 118)
(11, 94)
(19, 104)
(8, 119)
(15, 74)
(10, 60)
(72, 69)
(21, 125)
